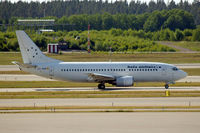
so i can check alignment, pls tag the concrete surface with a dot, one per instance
(188, 65)
(167, 122)
(96, 89)
(22, 77)
(55, 110)
(190, 79)
(31, 77)
(9, 68)
(160, 101)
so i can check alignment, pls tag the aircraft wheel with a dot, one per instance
(166, 86)
(101, 86)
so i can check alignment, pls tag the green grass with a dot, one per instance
(96, 94)
(158, 84)
(43, 84)
(192, 71)
(7, 58)
(13, 72)
(62, 84)
(195, 46)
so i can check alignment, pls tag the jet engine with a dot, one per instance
(125, 81)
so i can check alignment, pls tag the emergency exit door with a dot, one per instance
(164, 71)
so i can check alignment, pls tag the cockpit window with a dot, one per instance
(175, 69)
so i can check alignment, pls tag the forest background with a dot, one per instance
(133, 26)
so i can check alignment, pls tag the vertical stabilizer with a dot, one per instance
(31, 54)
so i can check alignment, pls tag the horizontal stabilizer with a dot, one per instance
(24, 65)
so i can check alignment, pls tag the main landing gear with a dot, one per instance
(101, 86)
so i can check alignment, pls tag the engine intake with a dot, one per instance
(125, 81)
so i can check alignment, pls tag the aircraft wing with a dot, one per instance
(100, 77)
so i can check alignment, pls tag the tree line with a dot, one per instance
(155, 21)
(118, 39)
(60, 8)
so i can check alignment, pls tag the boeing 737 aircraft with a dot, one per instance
(116, 73)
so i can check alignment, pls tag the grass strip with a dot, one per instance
(43, 84)
(7, 58)
(96, 94)
(93, 109)
(13, 72)
(192, 71)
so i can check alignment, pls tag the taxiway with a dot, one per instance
(159, 122)
(31, 77)
(153, 101)
(96, 89)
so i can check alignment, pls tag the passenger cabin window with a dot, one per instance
(175, 69)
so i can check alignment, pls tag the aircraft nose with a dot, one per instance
(183, 74)
(180, 75)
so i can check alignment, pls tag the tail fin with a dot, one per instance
(31, 54)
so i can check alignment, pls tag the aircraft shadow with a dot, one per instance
(62, 89)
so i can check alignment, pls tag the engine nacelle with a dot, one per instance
(125, 81)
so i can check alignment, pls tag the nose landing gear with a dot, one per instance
(166, 86)
(166, 91)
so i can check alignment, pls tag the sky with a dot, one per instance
(166, 1)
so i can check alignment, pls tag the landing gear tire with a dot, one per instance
(166, 86)
(101, 86)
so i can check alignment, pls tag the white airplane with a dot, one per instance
(122, 74)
